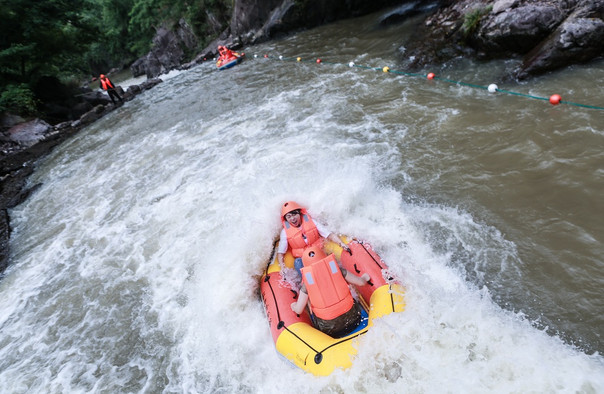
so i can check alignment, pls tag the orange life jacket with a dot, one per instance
(226, 56)
(106, 84)
(295, 235)
(327, 289)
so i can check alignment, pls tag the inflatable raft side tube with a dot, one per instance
(316, 352)
(385, 300)
(364, 260)
(278, 296)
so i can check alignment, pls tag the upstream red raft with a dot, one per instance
(295, 337)
(233, 59)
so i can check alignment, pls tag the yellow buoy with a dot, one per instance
(299, 58)
(386, 69)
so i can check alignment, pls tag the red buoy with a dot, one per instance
(430, 76)
(555, 99)
(318, 61)
(265, 55)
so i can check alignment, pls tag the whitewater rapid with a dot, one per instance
(135, 264)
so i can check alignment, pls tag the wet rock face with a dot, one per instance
(255, 21)
(167, 52)
(547, 35)
(249, 15)
(580, 38)
(518, 29)
(29, 133)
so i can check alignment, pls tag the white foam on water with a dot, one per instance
(136, 263)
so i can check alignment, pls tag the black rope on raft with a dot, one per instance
(379, 265)
(281, 324)
(270, 286)
(343, 341)
(270, 258)
(373, 258)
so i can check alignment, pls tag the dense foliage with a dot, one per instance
(72, 39)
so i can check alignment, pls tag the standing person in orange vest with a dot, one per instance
(108, 86)
(299, 232)
(335, 312)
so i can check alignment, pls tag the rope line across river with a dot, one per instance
(553, 99)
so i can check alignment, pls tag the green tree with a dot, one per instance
(73, 38)
(18, 98)
(111, 46)
(42, 38)
(147, 15)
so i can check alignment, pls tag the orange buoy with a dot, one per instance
(555, 99)
(318, 61)
(430, 76)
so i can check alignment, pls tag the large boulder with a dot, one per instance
(545, 35)
(168, 50)
(8, 120)
(517, 28)
(138, 67)
(29, 133)
(578, 39)
(95, 98)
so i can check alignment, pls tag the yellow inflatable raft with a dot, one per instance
(294, 335)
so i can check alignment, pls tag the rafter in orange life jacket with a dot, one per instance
(299, 238)
(327, 289)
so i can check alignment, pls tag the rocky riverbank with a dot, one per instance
(23, 143)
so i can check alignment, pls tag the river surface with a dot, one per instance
(135, 265)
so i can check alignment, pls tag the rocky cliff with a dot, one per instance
(547, 35)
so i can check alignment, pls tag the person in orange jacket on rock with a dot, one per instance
(108, 86)
(325, 288)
